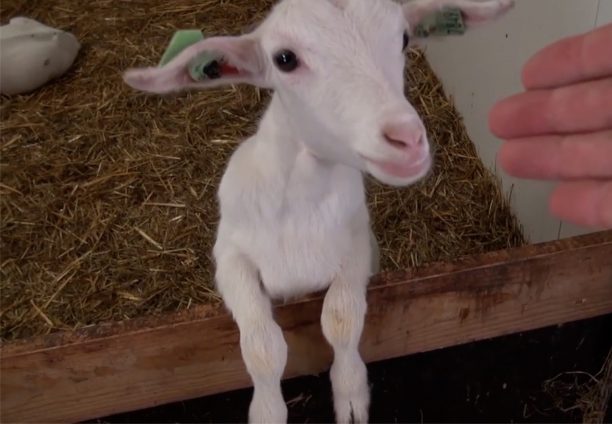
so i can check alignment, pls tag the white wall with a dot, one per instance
(604, 14)
(484, 65)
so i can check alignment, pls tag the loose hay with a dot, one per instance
(108, 206)
(579, 391)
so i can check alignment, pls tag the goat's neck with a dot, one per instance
(285, 160)
(278, 145)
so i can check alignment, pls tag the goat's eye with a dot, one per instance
(286, 60)
(406, 40)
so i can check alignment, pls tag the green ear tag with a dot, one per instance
(205, 66)
(179, 42)
(448, 21)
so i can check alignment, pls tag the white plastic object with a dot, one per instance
(32, 54)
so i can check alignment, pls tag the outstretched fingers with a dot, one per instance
(578, 108)
(567, 157)
(574, 59)
(585, 203)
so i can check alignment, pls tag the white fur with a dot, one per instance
(293, 211)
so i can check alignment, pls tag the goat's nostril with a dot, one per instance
(400, 144)
(406, 134)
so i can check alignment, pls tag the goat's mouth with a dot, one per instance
(403, 170)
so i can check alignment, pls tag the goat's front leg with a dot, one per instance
(342, 321)
(264, 350)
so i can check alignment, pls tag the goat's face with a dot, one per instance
(338, 69)
(337, 66)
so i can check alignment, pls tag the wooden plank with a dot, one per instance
(142, 363)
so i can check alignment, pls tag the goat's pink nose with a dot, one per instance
(404, 136)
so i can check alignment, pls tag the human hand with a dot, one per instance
(560, 128)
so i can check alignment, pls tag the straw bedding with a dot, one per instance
(583, 394)
(107, 197)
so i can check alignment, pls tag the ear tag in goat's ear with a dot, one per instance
(207, 65)
(448, 21)
(179, 42)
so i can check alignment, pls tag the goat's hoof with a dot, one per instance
(352, 412)
(352, 406)
(351, 391)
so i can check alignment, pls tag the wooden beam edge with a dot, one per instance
(436, 309)
(197, 314)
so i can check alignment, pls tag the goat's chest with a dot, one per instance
(297, 233)
(300, 254)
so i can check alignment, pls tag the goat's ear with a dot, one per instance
(208, 63)
(473, 11)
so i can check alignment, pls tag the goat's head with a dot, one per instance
(337, 66)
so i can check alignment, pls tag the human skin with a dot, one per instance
(560, 127)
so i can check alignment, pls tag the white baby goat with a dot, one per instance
(293, 210)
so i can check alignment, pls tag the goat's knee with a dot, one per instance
(264, 350)
(342, 316)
